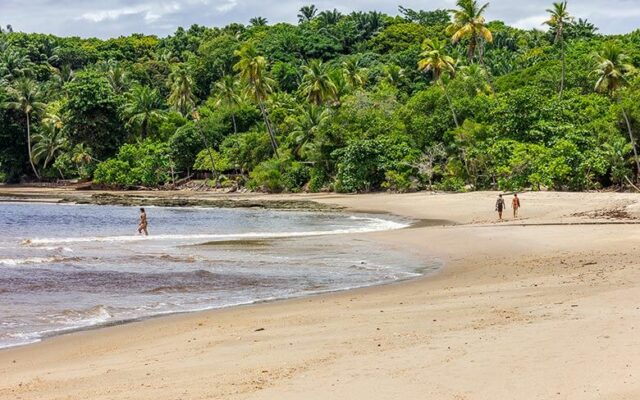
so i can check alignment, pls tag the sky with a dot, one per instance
(112, 18)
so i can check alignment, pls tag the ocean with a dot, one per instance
(67, 267)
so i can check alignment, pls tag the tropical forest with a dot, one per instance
(422, 100)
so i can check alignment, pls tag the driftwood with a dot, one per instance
(631, 183)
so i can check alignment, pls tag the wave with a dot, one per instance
(374, 225)
(34, 260)
(87, 317)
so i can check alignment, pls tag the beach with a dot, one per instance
(545, 307)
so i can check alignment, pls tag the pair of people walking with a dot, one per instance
(501, 206)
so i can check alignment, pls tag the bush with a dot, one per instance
(146, 163)
(278, 175)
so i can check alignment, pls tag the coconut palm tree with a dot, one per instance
(353, 72)
(559, 19)
(612, 66)
(393, 74)
(13, 64)
(62, 75)
(49, 141)
(252, 70)
(258, 21)
(316, 84)
(306, 126)
(307, 13)
(25, 97)
(469, 23)
(477, 78)
(227, 91)
(181, 97)
(434, 59)
(116, 75)
(143, 106)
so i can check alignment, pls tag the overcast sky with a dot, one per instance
(111, 18)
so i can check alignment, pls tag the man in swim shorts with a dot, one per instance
(143, 223)
(515, 204)
(500, 206)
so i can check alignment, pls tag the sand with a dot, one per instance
(546, 307)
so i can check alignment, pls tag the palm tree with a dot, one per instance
(227, 90)
(329, 17)
(142, 107)
(25, 94)
(13, 63)
(307, 125)
(477, 78)
(62, 75)
(559, 19)
(469, 23)
(258, 21)
(353, 72)
(49, 141)
(181, 97)
(316, 84)
(116, 75)
(393, 74)
(617, 151)
(307, 13)
(435, 60)
(252, 70)
(581, 29)
(612, 65)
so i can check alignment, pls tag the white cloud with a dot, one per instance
(227, 5)
(150, 12)
(161, 17)
(532, 22)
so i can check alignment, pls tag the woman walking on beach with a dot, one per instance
(515, 204)
(143, 223)
(500, 206)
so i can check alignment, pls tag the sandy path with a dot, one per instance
(526, 312)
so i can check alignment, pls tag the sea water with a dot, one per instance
(66, 267)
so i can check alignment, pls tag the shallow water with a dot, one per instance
(66, 267)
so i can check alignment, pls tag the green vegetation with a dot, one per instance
(424, 100)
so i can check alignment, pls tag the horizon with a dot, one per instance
(125, 18)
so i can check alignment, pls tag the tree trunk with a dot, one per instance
(145, 122)
(563, 67)
(453, 111)
(472, 49)
(272, 137)
(235, 126)
(35, 171)
(633, 141)
(214, 175)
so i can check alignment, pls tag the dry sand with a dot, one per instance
(547, 307)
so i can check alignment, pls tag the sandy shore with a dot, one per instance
(547, 307)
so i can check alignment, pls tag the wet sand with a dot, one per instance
(545, 307)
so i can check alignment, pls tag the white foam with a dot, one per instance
(375, 225)
(28, 260)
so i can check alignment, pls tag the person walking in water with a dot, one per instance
(143, 223)
(515, 204)
(500, 206)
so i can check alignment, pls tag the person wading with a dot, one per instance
(500, 206)
(143, 223)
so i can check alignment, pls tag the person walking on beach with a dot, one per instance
(515, 204)
(143, 223)
(500, 206)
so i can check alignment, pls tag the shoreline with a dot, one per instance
(511, 308)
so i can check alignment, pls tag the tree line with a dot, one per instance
(438, 99)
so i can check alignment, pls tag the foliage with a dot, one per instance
(428, 99)
(147, 163)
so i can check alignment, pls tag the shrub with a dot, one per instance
(146, 163)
